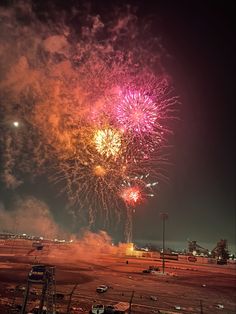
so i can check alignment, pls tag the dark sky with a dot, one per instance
(200, 199)
(199, 37)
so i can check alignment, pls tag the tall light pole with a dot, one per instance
(164, 217)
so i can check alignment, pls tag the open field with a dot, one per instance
(181, 291)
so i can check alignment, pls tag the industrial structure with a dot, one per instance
(44, 276)
(195, 249)
(220, 251)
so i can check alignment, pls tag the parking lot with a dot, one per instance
(185, 288)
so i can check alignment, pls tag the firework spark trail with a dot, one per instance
(95, 113)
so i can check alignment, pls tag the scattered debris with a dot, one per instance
(153, 298)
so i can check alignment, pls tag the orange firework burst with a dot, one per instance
(99, 171)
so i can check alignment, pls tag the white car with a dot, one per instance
(97, 309)
(35, 310)
(102, 288)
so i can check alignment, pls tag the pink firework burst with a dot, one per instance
(137, 112)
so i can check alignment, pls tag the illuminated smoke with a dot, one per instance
(31, 216)
(63, 82)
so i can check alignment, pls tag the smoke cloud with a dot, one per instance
(60, 72)
(88, 247)
(30, 216)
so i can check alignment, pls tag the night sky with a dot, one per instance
(198, 37)
(200, 199)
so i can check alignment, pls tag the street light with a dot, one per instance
(164, 217)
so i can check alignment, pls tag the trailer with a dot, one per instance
(121, 308)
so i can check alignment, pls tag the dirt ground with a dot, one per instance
(186, 288)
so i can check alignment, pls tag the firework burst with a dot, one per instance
(136, 190)
(137, 113)
(132, 195)
(142, 110)
(107, 142)
(93, 110)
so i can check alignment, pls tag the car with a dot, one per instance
(37, 245)
(221, 261)
(37, 273)
(17, 307)
(97, 309)
(77, 309)
(35, 310)
(102, 288)
(33, 292)
(11, 289)
(153, 272)
(59, 296)
(109, 309)
(146, 271)
(21, 288)
(156, 268)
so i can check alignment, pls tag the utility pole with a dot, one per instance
(164, 217)
(201, 307)
(130, 302)
(70, 299)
